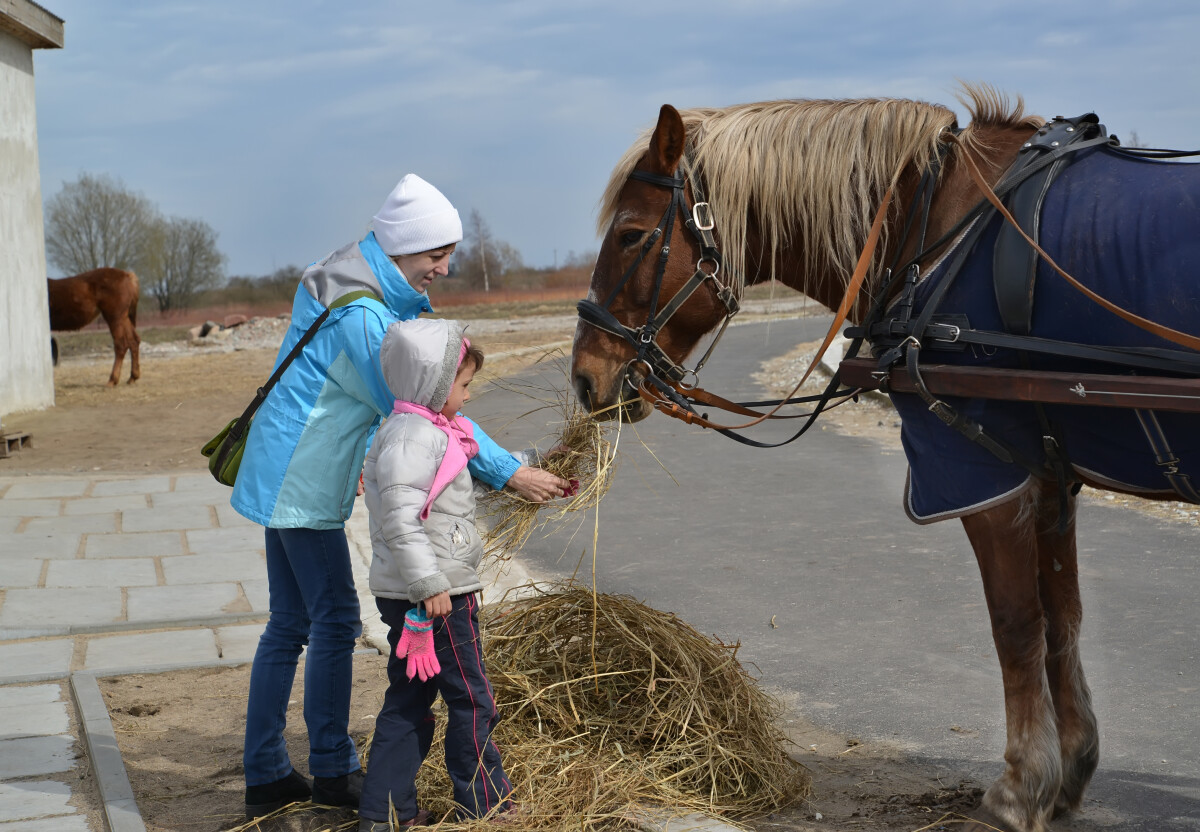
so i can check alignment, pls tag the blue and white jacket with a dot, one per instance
(309, 437)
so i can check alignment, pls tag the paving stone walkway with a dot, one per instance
(105, 575)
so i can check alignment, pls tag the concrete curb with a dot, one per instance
(116, 793)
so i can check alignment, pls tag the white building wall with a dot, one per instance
(26, 372)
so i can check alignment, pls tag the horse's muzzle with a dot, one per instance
(624, 401)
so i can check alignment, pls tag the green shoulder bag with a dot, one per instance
(224, 451)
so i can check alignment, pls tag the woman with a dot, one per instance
(300, 474)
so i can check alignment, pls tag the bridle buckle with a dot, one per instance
(702, 216)
(726, 295)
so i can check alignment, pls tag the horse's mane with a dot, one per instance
(772, 163)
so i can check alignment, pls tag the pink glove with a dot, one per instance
(416, 646)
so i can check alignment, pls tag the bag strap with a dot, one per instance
(244, 420)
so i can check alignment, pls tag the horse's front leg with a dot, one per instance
(1058, 576)
(1006, 548)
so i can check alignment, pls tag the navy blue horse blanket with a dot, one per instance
(1129, 229)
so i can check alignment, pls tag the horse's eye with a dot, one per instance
(631, 238)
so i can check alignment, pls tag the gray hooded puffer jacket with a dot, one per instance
(414, 560)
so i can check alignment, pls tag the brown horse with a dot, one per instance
(77, 301)
(792, 188)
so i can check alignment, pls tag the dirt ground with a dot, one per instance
(180, 733)
(185, 395)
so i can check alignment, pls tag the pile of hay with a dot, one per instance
(586, 455)
(609, 708)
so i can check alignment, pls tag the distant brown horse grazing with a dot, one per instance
(77, 301)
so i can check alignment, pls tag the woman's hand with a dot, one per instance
(537, 485)
(438, 605)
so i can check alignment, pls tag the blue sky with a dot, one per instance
(284, 125)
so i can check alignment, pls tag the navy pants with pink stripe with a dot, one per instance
(404, 728)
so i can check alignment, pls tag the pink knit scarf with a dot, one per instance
(459, 450)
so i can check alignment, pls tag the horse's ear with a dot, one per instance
(666, 145)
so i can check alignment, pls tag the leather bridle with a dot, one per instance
(649, 355)
(662, 382)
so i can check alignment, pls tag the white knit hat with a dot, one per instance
(416, 217)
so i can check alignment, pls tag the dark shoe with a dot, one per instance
(265, 799)
(338, 791)
(367, 825)
(515, 813)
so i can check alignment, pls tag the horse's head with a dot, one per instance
(654, 292)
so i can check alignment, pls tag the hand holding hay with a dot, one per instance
(583, 455)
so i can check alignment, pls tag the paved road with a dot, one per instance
(881, 629)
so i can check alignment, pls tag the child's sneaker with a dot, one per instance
(514, 814)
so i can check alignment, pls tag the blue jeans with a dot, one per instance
(313, 602)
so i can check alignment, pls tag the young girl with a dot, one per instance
(426, 552)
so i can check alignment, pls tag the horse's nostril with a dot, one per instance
(583, 390)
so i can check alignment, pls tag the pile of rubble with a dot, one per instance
(240, 333)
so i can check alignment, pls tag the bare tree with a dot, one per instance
(482, 258)
(182, 260)
(481, 241)
(96, 222)
(580, 260)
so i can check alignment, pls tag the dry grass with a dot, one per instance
(666, 714)
(610, 709)
(585, 453)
